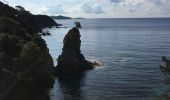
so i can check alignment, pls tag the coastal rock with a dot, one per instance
(45, 33)
(166, 66)
(72, 63)
(78, 25)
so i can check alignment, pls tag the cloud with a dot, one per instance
(4, 1)
(91, 9)
(55, 9)
(157, 7)
(86, 8)
(97, 8)
(156, 2)
(132, 10)
(116, 1)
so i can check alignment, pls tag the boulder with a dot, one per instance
(72, 63)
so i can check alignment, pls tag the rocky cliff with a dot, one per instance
(32, 23)
(26, 67)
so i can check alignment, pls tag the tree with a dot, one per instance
(20, 8)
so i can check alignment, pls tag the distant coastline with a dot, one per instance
(65, 17)
(132, 18)
(60, 17)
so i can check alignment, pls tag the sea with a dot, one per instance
(129, 51)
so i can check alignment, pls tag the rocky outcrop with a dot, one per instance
(72, 63)
(166, 66)
(32, 23)
(45, 33)
(77, 24)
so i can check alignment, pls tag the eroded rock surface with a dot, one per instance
(72, 63)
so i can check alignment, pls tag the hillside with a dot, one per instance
(60, 17)
(26, 67)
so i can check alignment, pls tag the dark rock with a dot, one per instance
(48, 33)
(71, 63)
(95, 63)
(57, 27)
(78, 25)
(165, 67)
(60, 24)
(45, 33)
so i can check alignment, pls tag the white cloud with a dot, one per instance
(4, 1)
(116, 1)
(98, 8)
(87, 8)
(55, 9)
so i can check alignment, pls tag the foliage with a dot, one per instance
(25, 62)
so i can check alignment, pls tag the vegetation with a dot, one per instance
(26, 67)
(33, 23)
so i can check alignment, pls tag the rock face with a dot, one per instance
(71, 63)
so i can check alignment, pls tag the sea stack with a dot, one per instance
(72, 63)
(77, 24)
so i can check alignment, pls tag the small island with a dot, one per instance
(60, 17)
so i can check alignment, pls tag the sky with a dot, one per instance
(97, 8)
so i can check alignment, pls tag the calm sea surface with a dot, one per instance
(130, 51)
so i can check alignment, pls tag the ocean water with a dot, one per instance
(130, 51)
